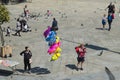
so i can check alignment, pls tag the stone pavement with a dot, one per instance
(75, 12)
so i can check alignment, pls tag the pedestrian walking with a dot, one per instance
(81, 50)
(26, 12)
(110, 19)
(104, 21)
(111, 8)
(18, 28)
(8, 31)
(27, 59)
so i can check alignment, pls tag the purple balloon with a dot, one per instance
(47, 31)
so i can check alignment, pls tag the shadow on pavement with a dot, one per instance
(5, 72)
(95, 47)
(109, 73)
(36, 70)
(20, 70)
(100, 48)
(39, 70)
(71, 66)
(91, 46)
(101, 29)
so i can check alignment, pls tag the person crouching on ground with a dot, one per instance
(27, 59)
(81, 50)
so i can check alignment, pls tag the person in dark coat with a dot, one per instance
(111, 8)
(54, 25)
(27, 58)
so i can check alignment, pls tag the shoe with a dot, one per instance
(81, 68)
(29, 72)
(25, 71)
(77, 69)
(19, 35)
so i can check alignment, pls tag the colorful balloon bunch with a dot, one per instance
(54, 43)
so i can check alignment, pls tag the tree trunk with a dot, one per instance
(1, 35)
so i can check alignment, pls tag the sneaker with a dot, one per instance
(81, 68)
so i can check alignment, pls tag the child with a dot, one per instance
(104, 20)
(80, 50)
(8, 31)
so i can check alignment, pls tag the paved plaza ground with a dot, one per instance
(79, 22)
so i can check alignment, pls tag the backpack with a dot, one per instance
(113, 16)
(77, 50)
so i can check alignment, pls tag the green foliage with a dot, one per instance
(4, 14)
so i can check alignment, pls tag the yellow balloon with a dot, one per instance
(58, 55)
(54, 57)
(57, 39)
(58, 50)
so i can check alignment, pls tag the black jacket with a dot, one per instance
(54, 23)
(27, 55)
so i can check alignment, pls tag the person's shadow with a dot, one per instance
(36, 70)
(96, 47)
(39, 70)
(5, 72)
(101, 28)
(71, 66)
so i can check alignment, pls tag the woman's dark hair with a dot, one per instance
(26, 47)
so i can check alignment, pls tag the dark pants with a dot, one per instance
(18, 32)
(8, 34)
(27, 64)
(109, 23)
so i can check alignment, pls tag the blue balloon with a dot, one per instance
(52, 41)
(48, 38)
(52, 33)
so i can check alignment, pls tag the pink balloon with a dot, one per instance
(59, 43)
(55, 45)
(51, 50)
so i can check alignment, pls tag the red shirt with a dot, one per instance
(82, 52)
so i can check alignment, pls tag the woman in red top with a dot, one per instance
(81, 50)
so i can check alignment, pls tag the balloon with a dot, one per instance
(58, 55)
(54, 57)
(57, 39)
(59, 43)
(58, 50)
(52, 33)
(47, 31)
(51, 50)
(51, 42)
(50, 37)
(55, 45)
